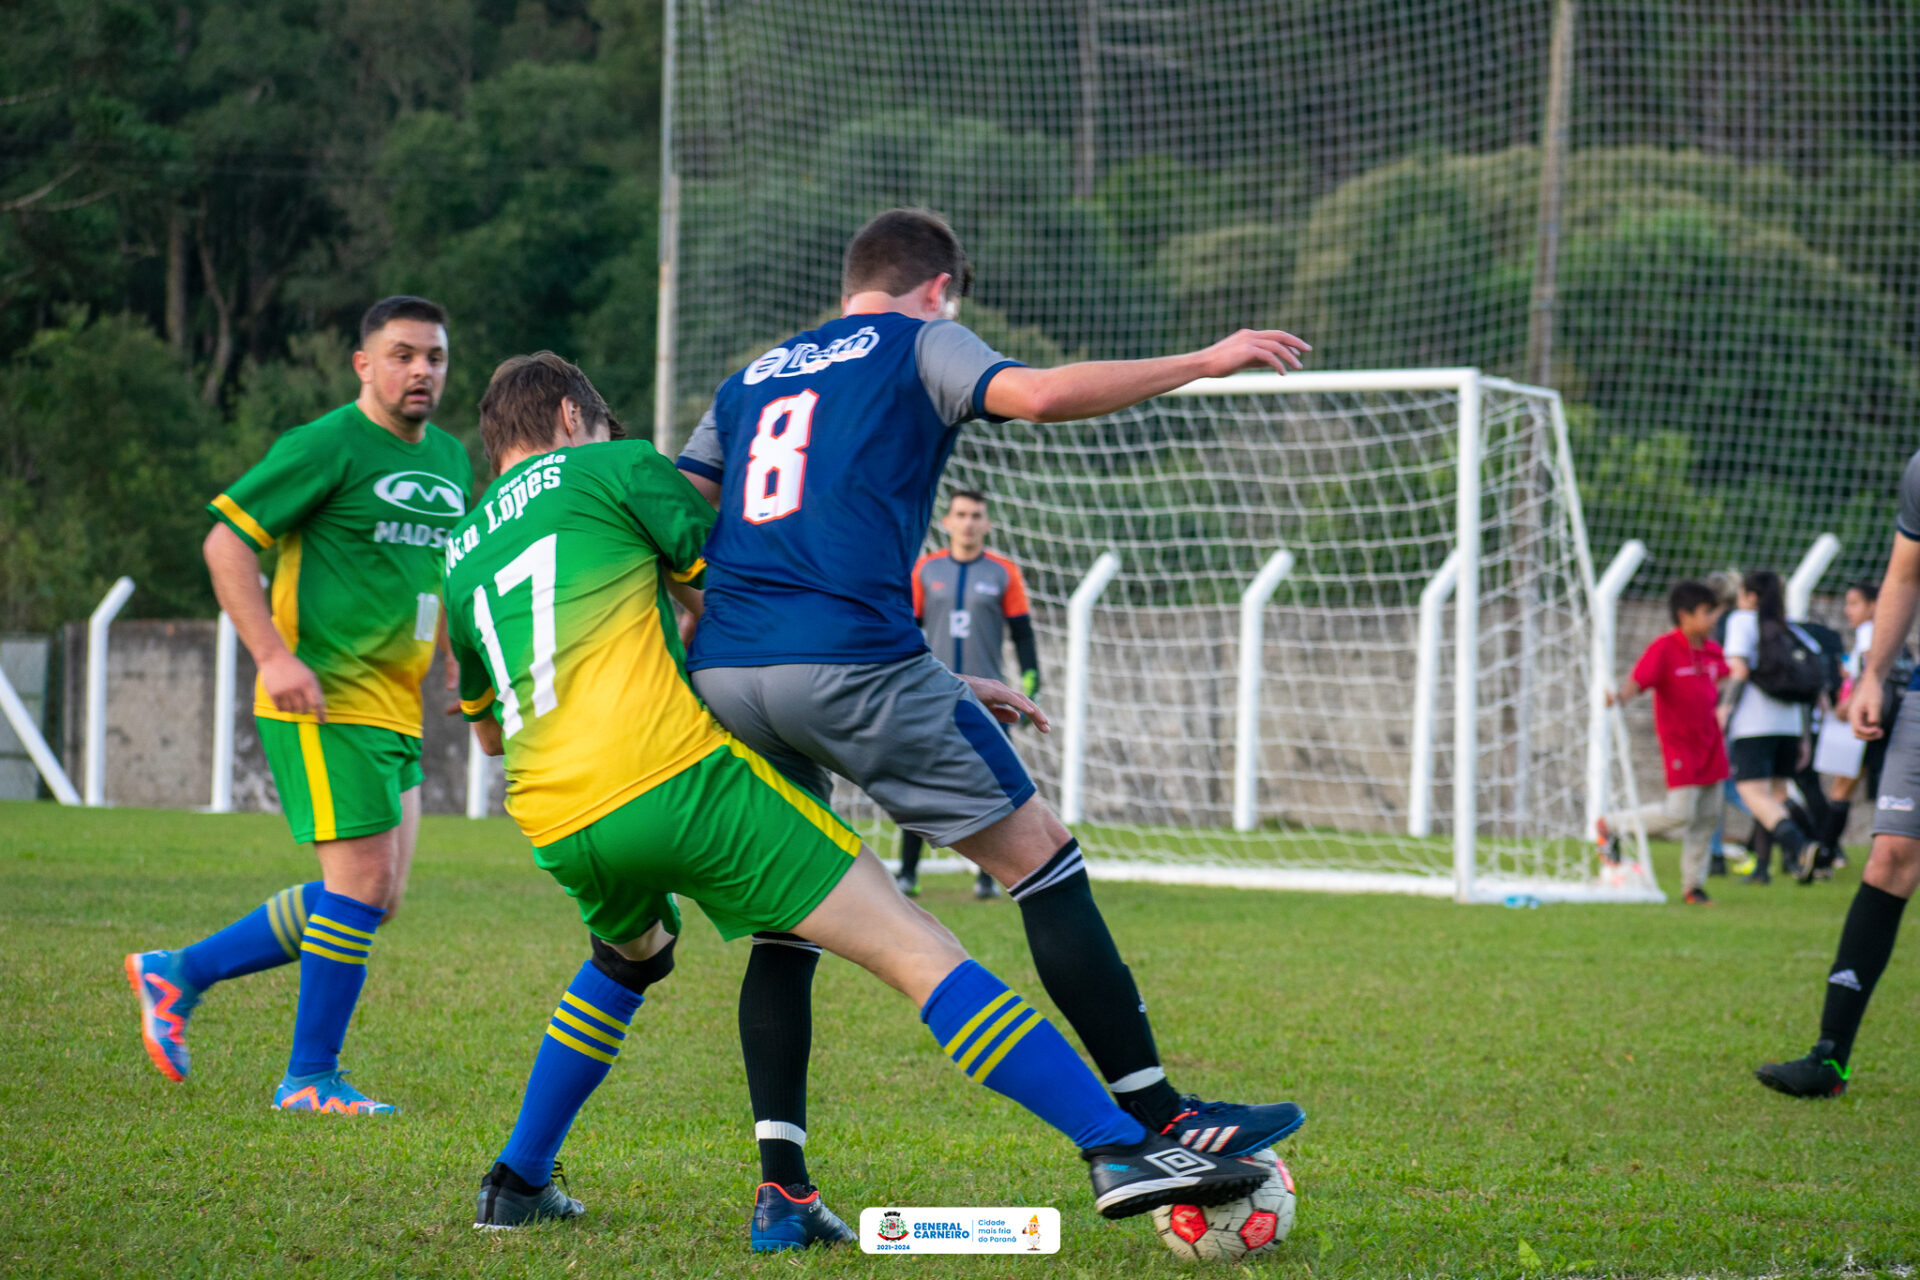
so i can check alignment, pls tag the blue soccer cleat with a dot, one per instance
(1231, 1128)
(166, 1002)
(327, 1092)
(782, 1220)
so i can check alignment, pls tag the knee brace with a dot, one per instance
(635, 975)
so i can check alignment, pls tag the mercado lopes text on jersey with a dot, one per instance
(558, 611)
(360, 517)
(827, 451)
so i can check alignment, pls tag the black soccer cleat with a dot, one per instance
(1232, 1128)
(1815, 1076)
(985, 887)
(1159, 1171)
(508, 1200)
(793, 1217)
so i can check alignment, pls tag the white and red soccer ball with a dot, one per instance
(1245, 1228)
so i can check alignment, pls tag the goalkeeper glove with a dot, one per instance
(1030, 682)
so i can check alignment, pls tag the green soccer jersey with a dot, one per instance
(558, 611)
(360, 517)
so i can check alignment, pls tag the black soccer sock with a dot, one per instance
(1791, 839)
(1082, 971)
(776, 1039)
(1866, 944)
(1762, 845)
(1838, 813)
(910, 847)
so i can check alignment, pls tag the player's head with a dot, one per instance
(913, 257)
(539, 403)
(1861, 597)
(966, 522)
(1764, 593)
(1694, 605)
(402, 360)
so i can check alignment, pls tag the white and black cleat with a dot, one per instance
(1159, 1171)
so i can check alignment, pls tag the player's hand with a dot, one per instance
(1253, 349)
(1863, 708)
(1005, 705)
(293, 687)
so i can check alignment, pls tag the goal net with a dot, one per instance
(1251, 697)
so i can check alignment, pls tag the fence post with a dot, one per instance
(476, 776)
(97, 624)
(1073, 750)
(1246, 737)
(225, 643)
(1426, 691)
(29, 734)
(1812, 567)
(1606, 602)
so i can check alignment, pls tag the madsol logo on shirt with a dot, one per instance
(421, 492)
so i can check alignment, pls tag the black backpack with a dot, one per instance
(1787, 667)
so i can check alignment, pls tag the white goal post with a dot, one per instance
(1253, 597)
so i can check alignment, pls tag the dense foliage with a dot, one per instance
(197, 198)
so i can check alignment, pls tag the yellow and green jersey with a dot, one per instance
(558, 611)
(360, 517)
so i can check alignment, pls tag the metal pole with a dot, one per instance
(1246, 737)
(476, 777)
(1553, 174)
(103, 616)
(1466, 639)
(1073, 750)
(1813, 566)
(1086, 117)
(668, 296)
(29, 734)
(1606, 602)
(1426, 692)
(225, 642)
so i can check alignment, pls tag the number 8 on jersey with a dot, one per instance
(779, 455)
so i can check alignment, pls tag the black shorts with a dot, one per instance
(1775, 755)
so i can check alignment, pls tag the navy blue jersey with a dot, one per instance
(827, 451)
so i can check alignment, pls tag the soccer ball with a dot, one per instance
(1245, 1228)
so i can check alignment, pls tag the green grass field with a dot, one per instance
(1490, 1092)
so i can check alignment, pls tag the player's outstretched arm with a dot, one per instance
(1892, 621)
(1094, 387)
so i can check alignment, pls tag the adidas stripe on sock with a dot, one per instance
(333, 968)
(264, 938)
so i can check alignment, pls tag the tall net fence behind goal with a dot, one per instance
(1193, 495)
(1737, 326)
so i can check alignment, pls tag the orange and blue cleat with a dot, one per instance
(329, 1093)
(166, 1002)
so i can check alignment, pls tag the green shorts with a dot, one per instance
(752, 849)
(338, 781)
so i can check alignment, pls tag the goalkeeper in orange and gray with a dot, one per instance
(969, 602)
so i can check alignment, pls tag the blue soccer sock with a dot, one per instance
(1002, 1041)
(333, 968)
(264, 938)
(582, 1041)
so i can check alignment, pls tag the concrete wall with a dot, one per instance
(160, 706)
(1335, 725)
(24, 660)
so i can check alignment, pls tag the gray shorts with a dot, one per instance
(908, 733)
(1897, 812)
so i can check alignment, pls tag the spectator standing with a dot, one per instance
(1684, 669)
(1777, 678)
